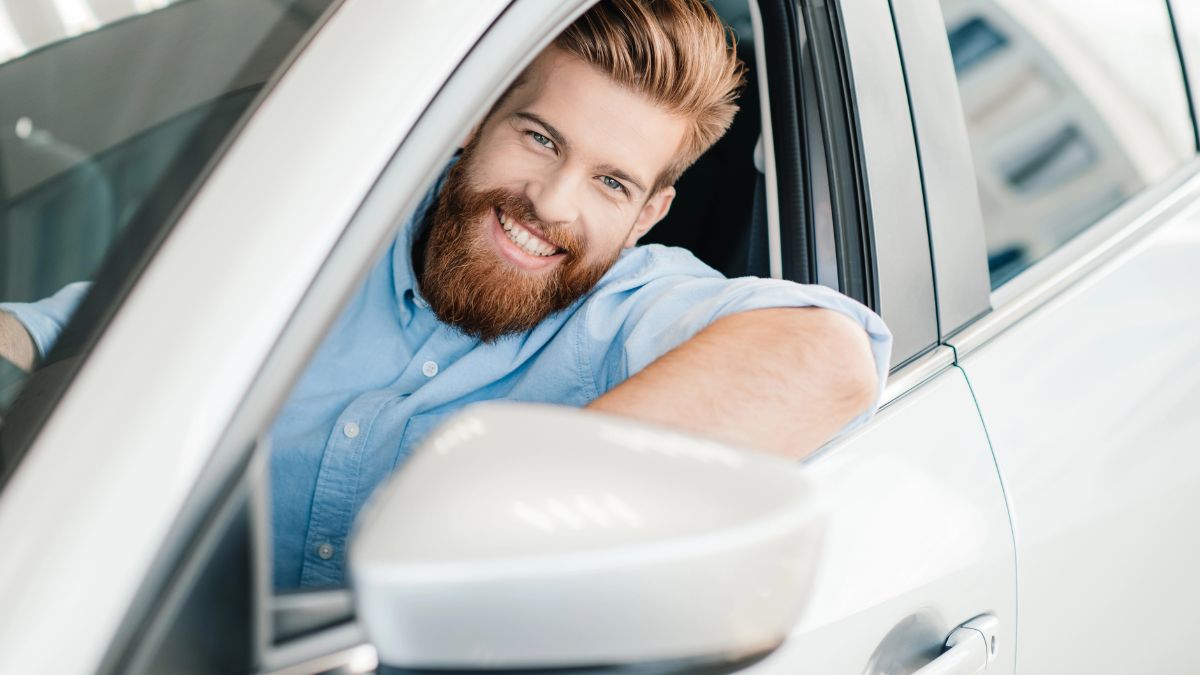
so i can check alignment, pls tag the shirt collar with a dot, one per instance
(404, 277)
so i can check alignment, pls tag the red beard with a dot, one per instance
(467, 283)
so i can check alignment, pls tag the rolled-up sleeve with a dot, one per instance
(667, 296)
(45, 319)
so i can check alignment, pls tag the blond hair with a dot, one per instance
(677, 53)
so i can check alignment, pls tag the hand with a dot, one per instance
(15, 344)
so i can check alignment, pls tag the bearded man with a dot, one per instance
(519, 278)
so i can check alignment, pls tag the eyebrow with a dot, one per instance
(557, 137)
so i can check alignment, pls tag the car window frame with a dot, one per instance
(785, 143)
(888, 249)
(1189, 57)
(955, 217)
(860, 64)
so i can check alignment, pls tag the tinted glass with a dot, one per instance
(110, 110)
(1072, 106)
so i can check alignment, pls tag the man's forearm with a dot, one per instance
(15, 343)
(781, 380)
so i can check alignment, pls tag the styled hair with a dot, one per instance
(676, 53)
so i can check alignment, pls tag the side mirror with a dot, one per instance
(534, 536)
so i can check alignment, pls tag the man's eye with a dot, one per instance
(612, 183)
(541, 140)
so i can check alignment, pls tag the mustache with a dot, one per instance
(521, 208)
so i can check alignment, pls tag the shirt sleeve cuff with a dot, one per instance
(45, 319)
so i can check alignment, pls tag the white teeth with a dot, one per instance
(525, 239)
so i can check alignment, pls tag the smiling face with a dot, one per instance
(554, 183)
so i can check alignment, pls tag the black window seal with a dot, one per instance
(849, 196)
(782, 26)
(1184, 72)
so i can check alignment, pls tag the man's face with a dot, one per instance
(547, 192)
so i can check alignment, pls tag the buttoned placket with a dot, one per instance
(335, 496)
(340, 475)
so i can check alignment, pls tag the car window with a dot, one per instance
(1069, 110)
(108, 116)
(361, 395)
(26, 26)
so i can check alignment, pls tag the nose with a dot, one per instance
(553, 197)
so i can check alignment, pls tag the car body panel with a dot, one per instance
(1096, 441)
(955, 221)
(1084, 373)
(893, 177)
(917, 540)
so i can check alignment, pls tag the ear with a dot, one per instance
(652, 211)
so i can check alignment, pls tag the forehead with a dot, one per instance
(603, 122)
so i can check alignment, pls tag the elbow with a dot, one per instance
(851, 377)
(861, 385)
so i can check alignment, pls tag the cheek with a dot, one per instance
(498, 165)
(604, 234)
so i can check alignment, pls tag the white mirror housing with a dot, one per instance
(535, 536)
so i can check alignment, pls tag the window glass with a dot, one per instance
(1071, 108)
(26, 26)
(109, 111)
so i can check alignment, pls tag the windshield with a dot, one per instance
(110, 112)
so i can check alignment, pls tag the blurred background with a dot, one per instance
(25, 26)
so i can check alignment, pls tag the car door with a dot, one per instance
(1076, 127)
(918, 540)
(151, 554)
(133, 495)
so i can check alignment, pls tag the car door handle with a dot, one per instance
(970, 649)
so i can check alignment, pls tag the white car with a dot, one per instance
(1012, 184)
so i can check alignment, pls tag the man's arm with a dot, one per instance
(28, 330)
(782, 380)
(15, 343)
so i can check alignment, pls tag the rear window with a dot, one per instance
(1071, 107)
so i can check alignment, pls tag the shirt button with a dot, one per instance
(351, 430)
(325, 551)
(429, 368)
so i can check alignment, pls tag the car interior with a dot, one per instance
(719, 212)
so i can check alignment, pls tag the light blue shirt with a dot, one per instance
(389, 371)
